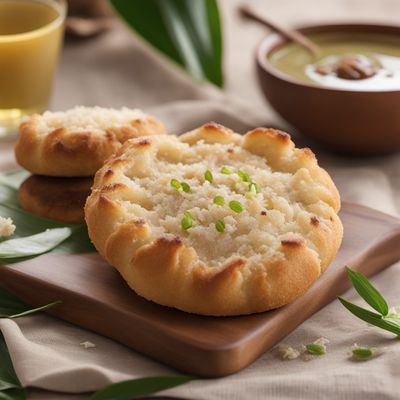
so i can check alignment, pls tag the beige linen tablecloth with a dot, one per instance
(117, 69)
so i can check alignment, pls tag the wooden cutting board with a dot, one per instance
(95, 297)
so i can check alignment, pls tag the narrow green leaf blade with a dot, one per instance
(33, 310)
(393, 321)
(371, 317)
(6, 385)
(177, 30)
(132, 389)
(367, 291)
(29, 224)
(188, 32)
(12, 307)
(35, 244)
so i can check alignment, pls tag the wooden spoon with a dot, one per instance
(293, 35)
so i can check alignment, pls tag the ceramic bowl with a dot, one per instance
(345, 121)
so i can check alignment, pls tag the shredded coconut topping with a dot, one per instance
(282, 205)
(81, 118)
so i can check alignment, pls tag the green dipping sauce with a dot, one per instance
(382, 51)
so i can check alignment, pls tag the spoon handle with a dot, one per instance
(293, 35)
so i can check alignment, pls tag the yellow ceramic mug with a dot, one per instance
(31, 33)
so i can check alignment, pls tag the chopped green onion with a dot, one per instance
(219, 200)
(316, 349)
(175, 184)
(188, 214)
(235, 206)
(254, 188)
(185, 187)
(208, 176)
(244, 176)
(365, 353)
(187, 220)
(226, 171)
(362, 353)
(220, 226)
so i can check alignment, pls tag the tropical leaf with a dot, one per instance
(135, 388)
(29, 224)
(35, 244)
(12, 307)
(367, 291)
(388, 324)
(186, 31)
(13, 394)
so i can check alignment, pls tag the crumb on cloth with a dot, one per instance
(287, 352)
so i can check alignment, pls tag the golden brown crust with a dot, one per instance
(66, 152)
(169, 271)
(61, 199)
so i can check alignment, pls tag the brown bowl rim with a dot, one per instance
(274, 40)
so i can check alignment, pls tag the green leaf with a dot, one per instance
(35, 244)
(135, 388)
(12, 307)
(186, 31)
(29, 224)
(388, 324)
(368, 292)
(13, 394)
(10, 387)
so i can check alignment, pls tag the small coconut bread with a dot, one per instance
(78, 141)
(61, 199)
(213, 222)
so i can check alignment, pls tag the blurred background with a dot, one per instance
(117, 68)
